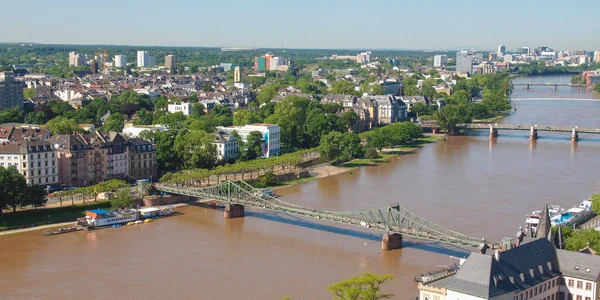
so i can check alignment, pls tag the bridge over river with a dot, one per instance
(395, 220)
(533, 129)
(555, 85)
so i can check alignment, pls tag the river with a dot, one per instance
(478, 187)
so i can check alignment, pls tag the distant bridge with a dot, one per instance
(533, 129)
(556, 99)
(555, 85)
(395, 220)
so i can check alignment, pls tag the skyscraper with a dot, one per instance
(439, 60)
(171, 63)
(76, 59)
(237, 75)
(11, 91)
(464, 62)
(120, 61)
(94, 67)
(597, 57)
(143, 59)
(501, 50)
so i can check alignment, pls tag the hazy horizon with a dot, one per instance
(430, 25)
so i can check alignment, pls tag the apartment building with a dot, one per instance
(11, 91)
(270, 132)
(142, 159)
(34, 158)
(227, 145)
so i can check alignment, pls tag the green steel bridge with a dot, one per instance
(391, 219)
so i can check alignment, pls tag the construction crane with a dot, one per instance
(105, 59)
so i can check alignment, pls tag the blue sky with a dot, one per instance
(397, 24)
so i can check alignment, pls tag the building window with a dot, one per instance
(580, 284)
(588, 286)
(579, 297)
(571, 283)
(588, 298)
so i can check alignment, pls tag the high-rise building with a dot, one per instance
(11, 91)
(151, 61)
(364, 57)
(275, 62)
(94, 66)
(260, 64)
(501, 50)
(439, 60)
(171, 63)
(120, 61)
(508, 58)
(524, 50)
(76, 59)
(143, 59)
(597, 57)
(464, 62)
(237, 75)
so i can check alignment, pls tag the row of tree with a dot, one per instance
(15, 193)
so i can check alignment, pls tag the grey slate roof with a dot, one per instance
(569, 261)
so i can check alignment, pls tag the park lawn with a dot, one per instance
(383, 157)
(34, 217)
(364, 162)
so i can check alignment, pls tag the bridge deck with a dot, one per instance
(392, 218)
(520, 127)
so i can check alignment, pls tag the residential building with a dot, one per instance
(242, 85)
(260, 64)
(227, 66)
(143, 59)
(151, 61)
(11, 91)
(185, 108)
(343, 99)
(142, 159)
(18, 134)
(597, 57)
(525, 50)
(35, 159)
(120, 61)
(387, 109)
(171, 63)
(227, 145)
(131, 131)
(363, 58)
(76, 59)
(501, 50)
(94, 67)
(270, 132)
(508, 58)
(392, 87)
(237, 75)
(464, 62)
(274, 63)
(440, 60)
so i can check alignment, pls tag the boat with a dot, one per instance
(560, 216)
(147, 220)
(103, 218)
(63, 230)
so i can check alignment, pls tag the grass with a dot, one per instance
(29, 218)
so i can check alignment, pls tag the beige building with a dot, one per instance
(171, 63)
(11, 91)
(35, 159)
(237, 75)
(76, 59)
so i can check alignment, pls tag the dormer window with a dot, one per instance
(577, 268)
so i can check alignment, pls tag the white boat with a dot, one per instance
(560, 216)
(101, 217)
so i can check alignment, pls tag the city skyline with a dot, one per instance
(435, 25)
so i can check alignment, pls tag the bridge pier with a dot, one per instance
(555, 87)
(527, 88)
(233, 211)
(574, 136)
(435, 130)
(493, 132)
(391, 241)
(533, 134)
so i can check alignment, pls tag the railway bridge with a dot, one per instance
(394, 220)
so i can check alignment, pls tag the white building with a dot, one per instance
(227, 145)
(275, 62)
(508, 58)
(597, 57)
(185, 108)
(270, 132)
(440, 60)
(35, 159)
(501, 50)
(363, 58)
(120, 61)
(242, 85)
(143, 59)
(152, 93)
(76, 59)
(132, 131)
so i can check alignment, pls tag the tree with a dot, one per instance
(12, 185)
(420, 109)
(62, 125)
(343, 87)
(411, 90)
(451, 115)
(350, 146)
(363, 287)
(115, 122)
(580, 239)
(253, 146)
(207, 87)
(371, 153)
(331, 146)
(267, 93)
(12, 115)
(407, 81)
(245, 116)
(123, 199)
(28, 93)
(196, 149)
(460, 97)
(349, 118)
(596, 203)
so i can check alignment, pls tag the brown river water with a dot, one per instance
(470, 184)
